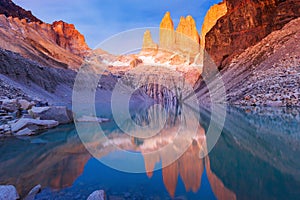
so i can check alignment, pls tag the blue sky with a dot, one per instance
(100, 19)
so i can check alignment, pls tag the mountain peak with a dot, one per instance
(167, 22)
(69, 38)
(187, 27)
(167, 35)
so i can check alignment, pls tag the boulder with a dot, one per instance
(24, 104)
(8, 192)
(57, 113)
(97, 195)
(38, 110)
(3, 113)
(33, 192)
(24, 132)
(91, 119)
(274, 103)
(25, 122)
(10, 105)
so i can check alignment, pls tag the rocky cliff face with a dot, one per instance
(246, 23)
(214, 13)
(57, 45)
(266, 74)
(8, 8)
(34, 80)
(67, 37)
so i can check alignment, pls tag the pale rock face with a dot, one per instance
(167, 35)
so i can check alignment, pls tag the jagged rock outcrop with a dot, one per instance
(69, 38)
(246, 23)
(8, 8)
(148, 43)
(57, 45)
(213, 14)
(187, 37)
(167, 35)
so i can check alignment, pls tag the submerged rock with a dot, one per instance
(97, 195)
(23, 132)
(57, 113)
(34, 191)
(40, 124)
(8, 192)
(91, 119)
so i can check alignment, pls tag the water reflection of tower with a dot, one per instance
(190, 167)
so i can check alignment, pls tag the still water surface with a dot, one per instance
(256, 157)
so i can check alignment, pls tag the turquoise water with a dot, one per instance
(256, 157)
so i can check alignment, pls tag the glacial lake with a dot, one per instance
(256, 157)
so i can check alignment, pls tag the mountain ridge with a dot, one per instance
(57, 45)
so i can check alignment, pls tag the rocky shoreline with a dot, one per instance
(23, 117)
(9, 192)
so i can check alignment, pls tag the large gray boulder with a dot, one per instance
(57, 113)
(38, 124)
(24, 104)
(24, 132)
(97, 195)
(10, 105)
(8, 192)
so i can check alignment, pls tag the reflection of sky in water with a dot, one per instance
(137, 182)
(245, 163)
